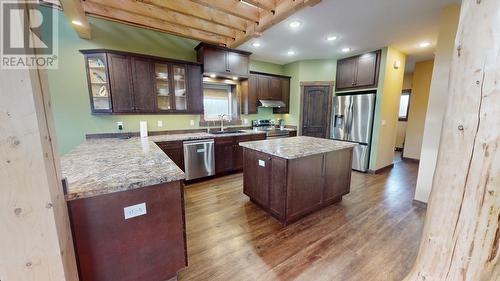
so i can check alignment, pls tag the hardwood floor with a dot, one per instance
(373, 234)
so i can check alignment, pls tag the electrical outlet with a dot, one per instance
(159, 123)
(134, 211)
(245, 121)
(191, 122)
(119, 125)
(262, 163)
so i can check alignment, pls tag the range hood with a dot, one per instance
(271, 103)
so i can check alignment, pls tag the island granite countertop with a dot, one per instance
(108, 165)
(297, 147)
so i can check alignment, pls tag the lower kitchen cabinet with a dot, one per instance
(175, 151)
(229, 154)
(110, 246)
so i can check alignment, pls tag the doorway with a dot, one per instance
(315, 110)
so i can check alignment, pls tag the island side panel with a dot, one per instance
(304, 186)
(337, 175)
(147, 247)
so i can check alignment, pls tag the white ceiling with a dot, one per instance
(361, 25)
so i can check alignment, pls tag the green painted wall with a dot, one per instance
(303, 71)
(267, 67)
(68, 84)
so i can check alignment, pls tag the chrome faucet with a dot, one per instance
(221, 118)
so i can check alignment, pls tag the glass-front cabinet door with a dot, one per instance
(179, 78)
(100, 97)
(162, 87)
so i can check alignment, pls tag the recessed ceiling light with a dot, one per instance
(346, 50)
(213, 75)
(235, 78)
(295, 24)
(76, 22)
(291, 53)
(331, 38)
(424, 44)
(256, 44)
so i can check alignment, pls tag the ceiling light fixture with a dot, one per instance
(235, 78)
(346, 50)
(248, 4)
(295, 24)
(331, 38)
(77, 22)
(291, 53)
(256, 44)
(424, 44)
(213, 75)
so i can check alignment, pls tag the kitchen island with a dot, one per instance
(125, 200)
(292, 177)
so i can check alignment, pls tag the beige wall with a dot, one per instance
(437, 101)
(418, 107)
(401, 130)
(408, 81)
(386, 109)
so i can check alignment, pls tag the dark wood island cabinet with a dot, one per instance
(293, 177)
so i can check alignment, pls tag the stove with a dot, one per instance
(270, 129)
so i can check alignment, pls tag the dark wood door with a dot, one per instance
(285, 96)
(214, 60)
(263, 87)
(224, 151)
(346, 73)
(366, 70)
(194, 89)
(275, 88)
(143, 85)
(120, 73)
(237, 64)
(315, 111)
(253, 88)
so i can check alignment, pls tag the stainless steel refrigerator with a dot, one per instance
(352, 120)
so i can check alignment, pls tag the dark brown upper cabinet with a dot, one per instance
(358, 72)
(264, 86)
(223, 61)
(140, 84)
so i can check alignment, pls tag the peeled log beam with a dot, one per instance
(461, 235)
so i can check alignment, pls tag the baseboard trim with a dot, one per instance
(419, 203)
(413, 160)
(383, 169)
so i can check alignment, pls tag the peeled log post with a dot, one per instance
(461, 234)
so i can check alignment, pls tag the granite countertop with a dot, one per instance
(296, 147)
(102, 166)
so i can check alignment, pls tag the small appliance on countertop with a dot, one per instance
(268, 126)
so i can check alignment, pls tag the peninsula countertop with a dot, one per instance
(102, 166)
(296, 147)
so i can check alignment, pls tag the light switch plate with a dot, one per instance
(262, 163)
(383, 122)
(134, 211)
(159, 123)
(245, 121)
(191, 122)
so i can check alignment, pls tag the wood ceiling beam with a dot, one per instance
(202, 12)
(164, 14)
(232, 7)
(73, 11)
(283, 10)
(151, 23)
(267, 5)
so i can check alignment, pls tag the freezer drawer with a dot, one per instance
(199, 160)
(360, 157)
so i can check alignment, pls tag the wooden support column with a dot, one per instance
(462, 230)
(35, 236)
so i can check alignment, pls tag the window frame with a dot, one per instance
(405, 92)
(236, 118)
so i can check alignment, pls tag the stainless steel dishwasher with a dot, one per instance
(199, 160)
